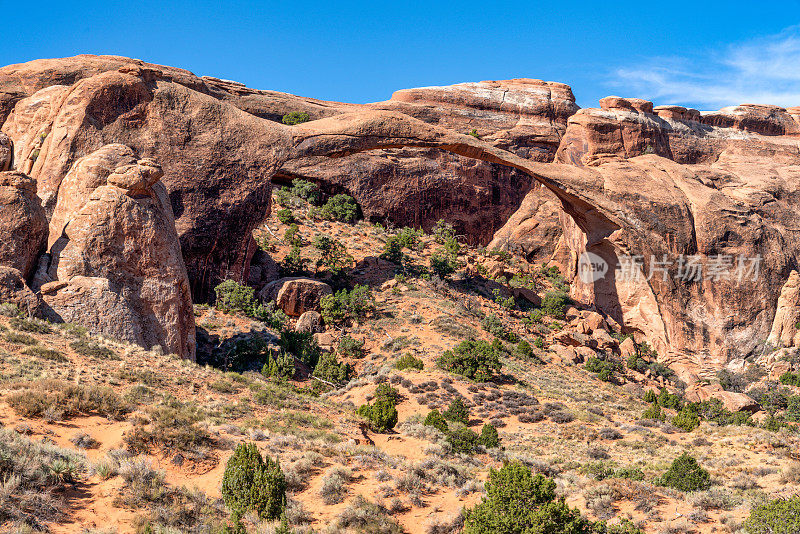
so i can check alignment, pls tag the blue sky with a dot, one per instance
(705, 54)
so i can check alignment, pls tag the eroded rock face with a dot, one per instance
(784, 331)
(114, 260)
(23, 224)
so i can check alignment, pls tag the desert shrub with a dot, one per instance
(443, 262)
(685, 474)
(597, 470)
(654, 412)
(408, 362)
(20, 339)
(45, 354)
(650, 396)
(790, 379)
(341, 207)
(475, 359)
(252, 484)
(489, 437)
(82, 440)
(363, 516)
(285, 216)
(92, 350)
(437, 421)
(33, 326)
(492, 324)
(687, 419)
(609, 433)
(283, 196)
(604, 369)
(9, 309)
(457, 412)
(463, 440)
(524, 350)
(306, 190)
(409, 237)
(555, 303)
(173, 426)
(333, 255)
(384, 390)
(669, 400)
(629, 472)
(29, 474)
(347, 305)
(302, 345)
(517, 501)
(381, 415)
(280, 367)
(443, 231)
(561, 417)
(233, 297)
(780, 516)
(350, 347)
(294, 264)
(792, 412)
(45, 397)
(295, 117)
(393, 250)
(331, 370)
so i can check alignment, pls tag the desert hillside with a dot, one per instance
(473, 308)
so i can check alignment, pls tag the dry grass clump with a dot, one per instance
(334, 485)
(31, 474)
(172, 427)
(56, 400)
(366, 516)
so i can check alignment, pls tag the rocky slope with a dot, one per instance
(626, 179)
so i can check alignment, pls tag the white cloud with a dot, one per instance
(759, 71)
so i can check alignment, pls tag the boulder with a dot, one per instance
(325, 340)
(114, 262)
(22, 222)
(13, 289)
(309, 321)
(627, 348)
(735, 402)
(295, 295)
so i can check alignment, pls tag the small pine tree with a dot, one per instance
(457, 411)
(686, 419)
(280, 367)
(654, 412)
(252, 484)
(435, 419)
(329, 369)
(685, 474)
(489, 437)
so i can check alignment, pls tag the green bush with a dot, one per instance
(283, 196)
(385, 391)
(653, 412)
(457, 412)
(252, 484)
(409, 237)
(443, 263)
(790, 379)
(475, 359)
(669, 400)
(489, 437)
(331, 370)
(492, 324)
(294, 264)
(650, 396)
(463, 440)
(435, 419)
(306, 190)
(524, 350)
(408, 362)
(333, 255)
(347, 305)
(292, 236)
(630, 472)
(302, 345)
(295, 117)
(555, 303)
(382, 415)
(605, 369)
(393, 250)
(518, 502)
(443, 232)
(686, 419)
(780, 516)
(341, 207)
(285, 216)
(350, 347)
(280, 367)
(233, 297)
(685, 474)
